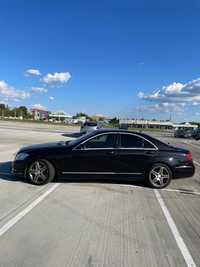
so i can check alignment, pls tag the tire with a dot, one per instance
(159, 176)
(40, 172)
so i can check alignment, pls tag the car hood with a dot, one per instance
(43, 146)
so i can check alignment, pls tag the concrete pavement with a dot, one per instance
(95, 224)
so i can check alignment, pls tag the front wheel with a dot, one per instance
(159, 176)
(40, 172)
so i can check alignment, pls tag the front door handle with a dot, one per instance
(150, 152)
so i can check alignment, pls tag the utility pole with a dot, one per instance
(170, 117)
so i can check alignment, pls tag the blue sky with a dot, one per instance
(123, 58)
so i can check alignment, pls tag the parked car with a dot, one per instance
(196, 134)
(117, 153)
(89, 126)
(183, 133)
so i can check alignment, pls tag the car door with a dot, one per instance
(95, 155)
(134, 154)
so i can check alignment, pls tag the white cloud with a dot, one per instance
(174, 88)
(195, 103)
(56, 78)
(140, 94)
(39, 90)
(175, 93)
(39, 106)
(163, 107)
(32, 72)
(51, 98)
(10, 93)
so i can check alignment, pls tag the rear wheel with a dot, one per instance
(159, 176)
(40, 172)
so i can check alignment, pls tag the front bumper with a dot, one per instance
(184, 171)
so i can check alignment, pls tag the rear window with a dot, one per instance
(91, 124)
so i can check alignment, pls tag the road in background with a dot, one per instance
(38, 126)
(94, 224)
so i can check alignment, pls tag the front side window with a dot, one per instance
(134, 141)
(101, 141)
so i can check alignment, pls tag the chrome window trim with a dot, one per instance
(117, 148)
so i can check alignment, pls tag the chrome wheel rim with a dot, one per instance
(159, 176)
(38, 172)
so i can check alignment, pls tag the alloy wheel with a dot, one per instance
(159, 176)
(38, 172)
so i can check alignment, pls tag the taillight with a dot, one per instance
(189, 156)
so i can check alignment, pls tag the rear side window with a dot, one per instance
(134, 141)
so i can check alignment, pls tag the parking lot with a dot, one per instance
(95, 223)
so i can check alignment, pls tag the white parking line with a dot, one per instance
(21, 214)
(179, 240)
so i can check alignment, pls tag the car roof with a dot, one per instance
(114, 130)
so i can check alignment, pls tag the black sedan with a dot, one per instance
(116, 153)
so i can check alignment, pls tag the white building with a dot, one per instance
(156, 124)
(59, 116)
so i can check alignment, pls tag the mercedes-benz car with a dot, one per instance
(111, 153)
(196, 134)
(183, 133)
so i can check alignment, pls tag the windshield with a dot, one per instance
(91, 124)
(79, 139)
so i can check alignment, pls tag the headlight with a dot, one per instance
(21, 156)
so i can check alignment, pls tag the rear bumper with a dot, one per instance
(184, 171)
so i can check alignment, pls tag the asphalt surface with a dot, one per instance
(95, 223)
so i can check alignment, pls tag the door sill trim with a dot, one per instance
(111, 173)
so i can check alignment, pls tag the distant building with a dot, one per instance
(60, 116)
(39, 114)
(153, 124)
(185, 125)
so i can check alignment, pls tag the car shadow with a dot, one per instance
(102, 179)
(5, 167)
(6, 174)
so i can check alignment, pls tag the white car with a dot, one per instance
(89, 126)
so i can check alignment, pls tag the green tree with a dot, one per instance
(114, 121)
(81, 114)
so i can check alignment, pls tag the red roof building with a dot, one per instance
(39, 114)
